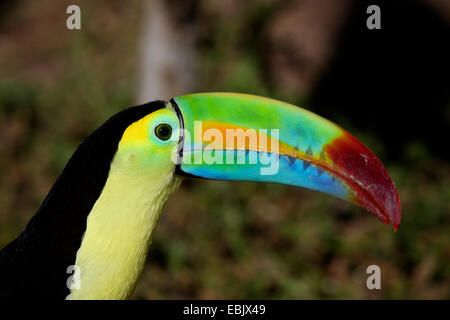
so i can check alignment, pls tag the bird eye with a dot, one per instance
(163, 131)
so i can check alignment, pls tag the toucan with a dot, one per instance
(99, 217)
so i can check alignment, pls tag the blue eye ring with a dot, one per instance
(163, 131)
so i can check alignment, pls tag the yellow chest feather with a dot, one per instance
(119, 232)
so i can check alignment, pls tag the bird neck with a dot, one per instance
(119, 231)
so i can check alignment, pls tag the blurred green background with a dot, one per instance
(225, 240)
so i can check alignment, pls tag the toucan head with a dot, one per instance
(227, 136)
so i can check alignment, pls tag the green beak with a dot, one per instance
(230, 136)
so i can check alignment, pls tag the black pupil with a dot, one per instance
(163, 131)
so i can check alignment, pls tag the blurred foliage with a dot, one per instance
(214, 239)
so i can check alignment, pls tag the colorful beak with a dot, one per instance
(230, 136)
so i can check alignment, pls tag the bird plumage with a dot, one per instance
(34, 265)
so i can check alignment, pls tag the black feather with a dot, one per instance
(34, 264)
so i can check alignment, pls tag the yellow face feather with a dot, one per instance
(120, 226)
